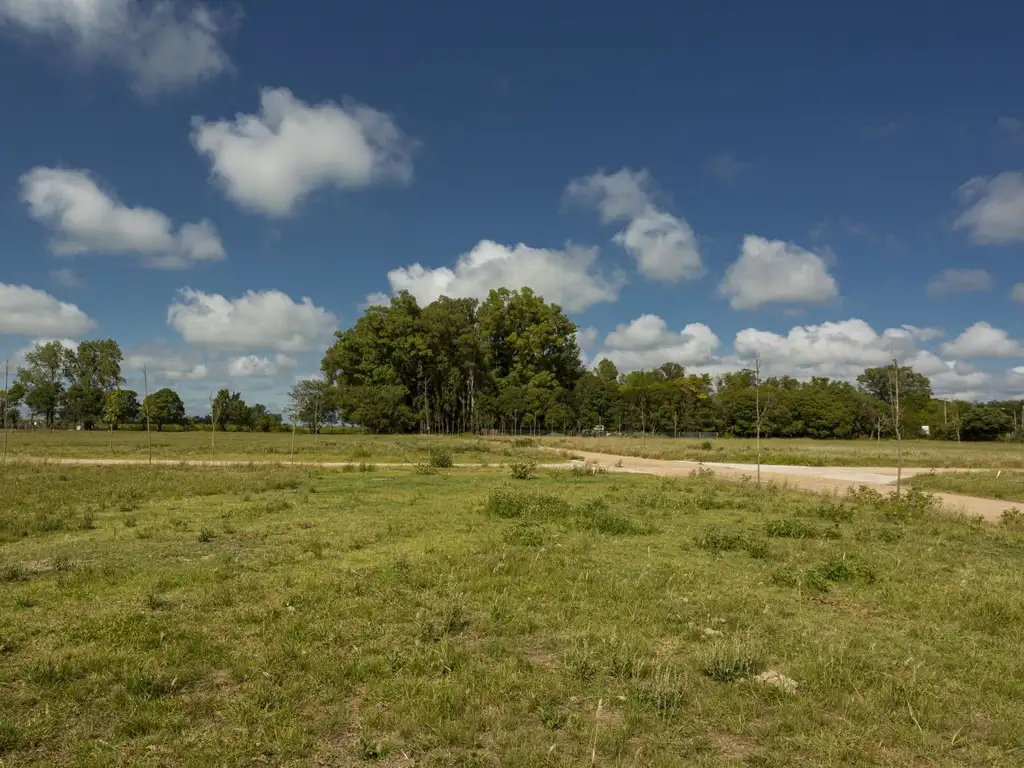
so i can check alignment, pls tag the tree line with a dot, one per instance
(84, 387)
(512, 363)
(509, 363)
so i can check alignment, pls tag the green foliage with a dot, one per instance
(523, 470)
(163, 407)
(441, 458)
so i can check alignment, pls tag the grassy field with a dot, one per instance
(839, 453)
(1004, 484)
(260, 446)
(286, 616)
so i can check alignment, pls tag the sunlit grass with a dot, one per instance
(279, 616)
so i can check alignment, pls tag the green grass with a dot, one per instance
(280, 616)
(841, 453)
(1003, 484)
(269, 446)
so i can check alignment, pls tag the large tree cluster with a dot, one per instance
(512, 363)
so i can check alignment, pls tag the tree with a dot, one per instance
(229, 408)
(314, 403)
(378, 408)
(915, 392)
(91, 370)
(986, 422)
(42, 379)
(262, 419)
(10, 401)
(121, 405)
(164, 407)
(895, 378)
(762, 405)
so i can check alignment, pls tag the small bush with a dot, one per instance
(757, 549)
(524, 442)
(523, 470)
(612, 524)
(706, 446)
(586, 469)
(424, 468)
(790, 529)
(509, 503)
(1012, 517)
(702, 473)
(365, 467)
(441, 458)
(715, 539)
(837, 513)
(845, 568)
(13, 572)
(206, 535)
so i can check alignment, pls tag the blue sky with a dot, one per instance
(696, 182)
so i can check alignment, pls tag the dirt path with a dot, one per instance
(817, 479)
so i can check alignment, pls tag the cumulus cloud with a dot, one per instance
(647, 342)
(258, 320)
(31, 312)
(254, 365)
(664, 246)
(162, 46)
(775, 271)
(269, 162)
(995, 209)
(982, 340)
(567, 277)
(959, 281)
(85, 219)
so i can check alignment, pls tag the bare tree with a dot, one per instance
(762, 405)
(7, 373)
(149, 407)
(956, 417)
(896, 416)
(213, 424)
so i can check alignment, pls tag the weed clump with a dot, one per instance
(845, 568)
(440, 458)
(836, 513)
(586, 469)
(1012, 517)
(525, 534)
(424, 468)
(728, 662)
(797, 529)
(523, 470)
(716, 539)
(510, 503)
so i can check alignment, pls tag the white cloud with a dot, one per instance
(269, 162)
(726, 166)
(1017, 293)
(254, 365)
(67, 278)
(646, 342)
(959, 281)
(832, 348)
(982, 340)
(162, 45)
(664, 246)
(566, 277)
(776, 271)
(255, 321)
(995, 209)
(31, 312)
(86, 219)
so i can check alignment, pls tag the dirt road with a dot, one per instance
(817, 479)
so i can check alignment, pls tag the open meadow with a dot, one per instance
(815, 453)
(268, 615)
(263, 446)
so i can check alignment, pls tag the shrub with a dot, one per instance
(509, 503)
(441, 458)
(706, 446)
(523, 470)
(845, 568)
(837, 513)
(790, 529)
(612, 524)
(586, 469)
(1012, 517)
(424, 468)
(206, 535)
(715, 539)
